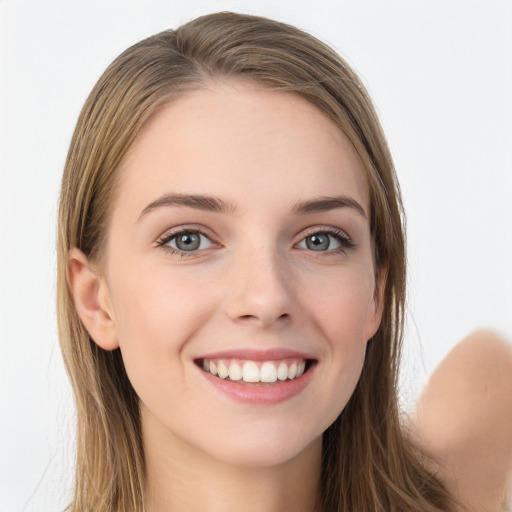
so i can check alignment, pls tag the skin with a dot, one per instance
(253, 283)
(464, 419)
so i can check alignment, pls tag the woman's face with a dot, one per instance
(239, 255)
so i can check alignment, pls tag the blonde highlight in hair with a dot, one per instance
(368, 463)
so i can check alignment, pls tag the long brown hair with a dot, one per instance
(368, 463)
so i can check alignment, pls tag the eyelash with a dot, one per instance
(344, 240)
(167, 237)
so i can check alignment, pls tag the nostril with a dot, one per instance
(264, 320)
(284, 315)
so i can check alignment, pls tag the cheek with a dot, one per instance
(156, 306)
(344, 314)
(156, 315)
(343, 307)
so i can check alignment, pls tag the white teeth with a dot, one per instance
(235, 371)
(222, 370)
(251, 372)
(268, 372)
(282, 371)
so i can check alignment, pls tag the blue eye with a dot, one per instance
(323, 241)
(186, 241)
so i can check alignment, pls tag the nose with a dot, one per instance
(259, 290)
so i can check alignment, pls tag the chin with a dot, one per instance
(266, 448)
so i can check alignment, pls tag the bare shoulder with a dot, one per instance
(464, 420)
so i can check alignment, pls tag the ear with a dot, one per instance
(378, 302)
(92, 301)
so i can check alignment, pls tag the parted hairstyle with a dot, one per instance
(368, 463)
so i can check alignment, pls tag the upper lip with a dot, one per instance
(272, 354)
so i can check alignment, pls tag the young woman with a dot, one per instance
(232, 282)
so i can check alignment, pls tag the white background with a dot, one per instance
(440, 73)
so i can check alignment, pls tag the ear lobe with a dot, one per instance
(92, 300)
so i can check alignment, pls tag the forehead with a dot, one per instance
(241, 143)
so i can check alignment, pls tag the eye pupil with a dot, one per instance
(188, 241)
(317, 242)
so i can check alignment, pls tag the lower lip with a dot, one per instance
(260, 394)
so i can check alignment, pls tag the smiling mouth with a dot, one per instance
(256, 372)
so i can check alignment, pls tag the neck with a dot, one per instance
(182, 478)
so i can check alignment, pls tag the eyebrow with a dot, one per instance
(323, 204)
(214, 204)
(197, 201)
